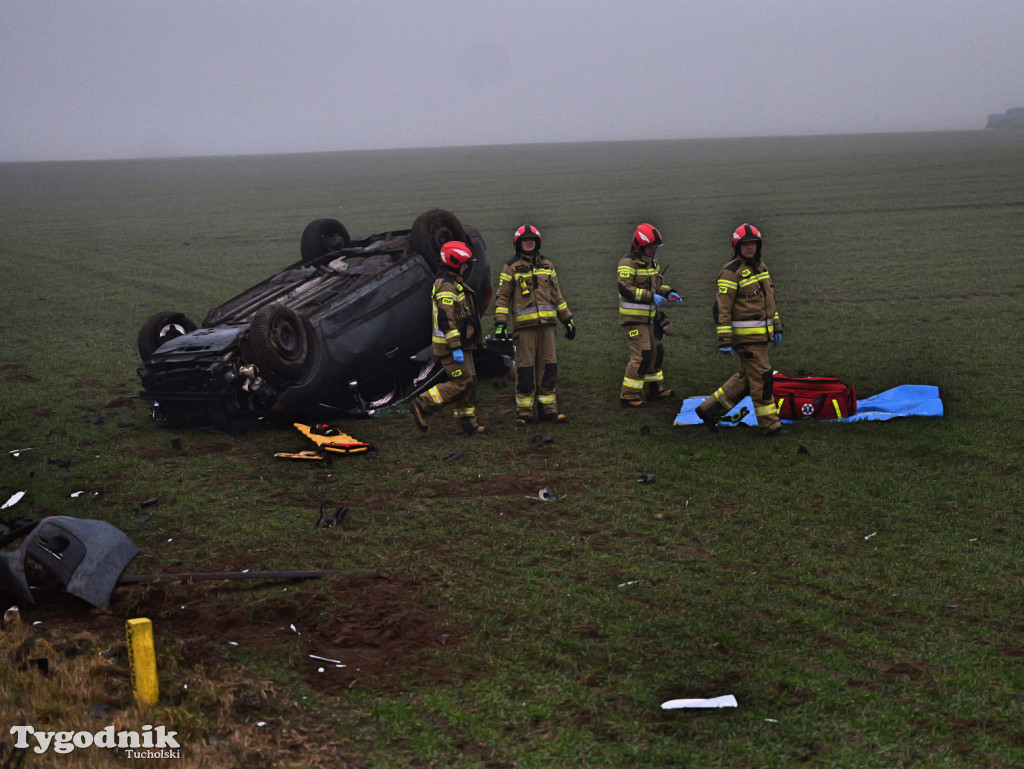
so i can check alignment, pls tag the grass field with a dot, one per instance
(862, 600)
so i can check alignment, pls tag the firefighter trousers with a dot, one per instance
(536, 370)
(754, 379)
(644, 367)
(459, 389)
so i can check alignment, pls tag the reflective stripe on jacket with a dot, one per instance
(528, 293)
(745, 304)
(639, 280)
(455, 321)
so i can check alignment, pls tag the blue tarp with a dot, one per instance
(902, 401)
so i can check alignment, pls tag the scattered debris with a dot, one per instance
(149, 503)
(12, 615)
(645, 430)
(725, 701)
(546, 495)
(17, 452)
(87, 556)
(646, 478)
(802, 450)
(98, 419)
(631, 582)
(542, 440)
(98, 710)
(59, 462)
(327, 659)
(15, 498)
(453, 456)
(869, 536)
(305, 454)
(334, 519)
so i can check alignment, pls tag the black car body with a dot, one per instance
(343, 332)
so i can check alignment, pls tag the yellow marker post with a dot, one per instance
(142, 661)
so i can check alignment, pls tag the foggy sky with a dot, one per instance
(86, 79)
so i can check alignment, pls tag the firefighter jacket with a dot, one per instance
(745, 304)
(639, 280)
(455, 320)
(528, 293)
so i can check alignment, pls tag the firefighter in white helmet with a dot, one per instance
(456, 334)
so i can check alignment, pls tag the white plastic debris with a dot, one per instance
(869, 536)
(295, 629)
(76, 494)
(325, 659)
(725, 701)
(15, 499)
(546, 495)
(17, 452)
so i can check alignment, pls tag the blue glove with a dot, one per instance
(674, 297)
(778, 338)
(725, 349)
(659, 300)
(459, 355)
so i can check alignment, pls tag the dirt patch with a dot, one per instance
(379, 629)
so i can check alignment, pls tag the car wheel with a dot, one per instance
(322, 236)
(431, 230)
(160, 328)
(279, 341)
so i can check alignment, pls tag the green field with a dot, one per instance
(862, 599)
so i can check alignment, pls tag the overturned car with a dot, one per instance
(344, 331)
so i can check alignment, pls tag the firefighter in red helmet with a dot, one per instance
(746, 321)
(530, 298)
(642, 291)
(456, 334)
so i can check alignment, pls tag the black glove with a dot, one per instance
(501, 332)
(570, 329)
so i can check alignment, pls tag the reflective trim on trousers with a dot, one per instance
(720, 397)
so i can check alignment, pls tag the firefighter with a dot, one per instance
(746, 321)
(456, 334)
(529, 297)
(642, 291)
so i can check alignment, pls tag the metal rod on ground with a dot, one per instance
(134, 579)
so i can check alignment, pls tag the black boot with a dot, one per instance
(709, 417)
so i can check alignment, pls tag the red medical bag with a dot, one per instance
(817, 397)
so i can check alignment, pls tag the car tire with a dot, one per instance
(431, 230)
(322, 236)
(160, 328)
(280, 341)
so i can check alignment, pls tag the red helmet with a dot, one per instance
(646, 235)
(526, 231)
(746, 233)
(455, 253)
